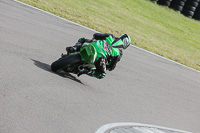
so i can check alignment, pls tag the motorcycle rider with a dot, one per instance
(112, 53)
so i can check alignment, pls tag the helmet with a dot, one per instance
(126, 40)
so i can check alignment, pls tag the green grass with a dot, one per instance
(152, 27)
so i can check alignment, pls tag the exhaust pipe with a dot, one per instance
(81, 68)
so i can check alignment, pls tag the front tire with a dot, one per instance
(62, 63)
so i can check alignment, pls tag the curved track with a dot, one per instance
(144, 88)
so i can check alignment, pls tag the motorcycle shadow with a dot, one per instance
(47, 68)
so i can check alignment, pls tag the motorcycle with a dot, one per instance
(84, 59)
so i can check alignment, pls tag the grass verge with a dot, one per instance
(155, 28)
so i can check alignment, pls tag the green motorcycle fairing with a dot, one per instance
(88, 53)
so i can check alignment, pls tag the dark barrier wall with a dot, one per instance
(189, 8)
(197, 13)
(164, 2)
(177, 5)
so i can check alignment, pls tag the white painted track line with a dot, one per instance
(142, 127)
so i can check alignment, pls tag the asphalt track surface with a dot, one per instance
(143, 88)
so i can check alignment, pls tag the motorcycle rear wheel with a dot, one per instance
(65, 61)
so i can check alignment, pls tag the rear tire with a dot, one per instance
(65, 61)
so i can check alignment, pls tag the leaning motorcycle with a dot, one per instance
(84, 59)
(77, 62)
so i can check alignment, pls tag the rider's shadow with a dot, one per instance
(47, 67)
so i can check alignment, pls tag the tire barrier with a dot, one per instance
(189, 8)
(197, 13)
(164, 2)
(177, 5)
